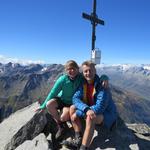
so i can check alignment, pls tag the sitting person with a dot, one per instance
(60, 96)
(92, 102)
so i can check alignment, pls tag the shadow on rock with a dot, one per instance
(120, 138)
(51, 128)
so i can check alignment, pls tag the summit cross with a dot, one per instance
(94, 21)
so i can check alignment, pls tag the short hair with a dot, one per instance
(71, 63)
(89, 63)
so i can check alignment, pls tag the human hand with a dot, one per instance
(105, 84)
(91, 114)
(38, 109)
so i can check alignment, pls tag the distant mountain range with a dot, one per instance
(23, 85)
(134, 78)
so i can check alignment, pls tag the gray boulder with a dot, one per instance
(25, 130)
(23, 125)
(38, 143)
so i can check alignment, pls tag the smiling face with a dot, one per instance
(89, 71)
(72, 72)
(72, 69)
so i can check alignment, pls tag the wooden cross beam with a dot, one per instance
(94, 21)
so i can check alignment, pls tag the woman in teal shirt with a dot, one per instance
(60, 96)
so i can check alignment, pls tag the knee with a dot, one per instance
(72, 108)
(48, 104)
(52, 104)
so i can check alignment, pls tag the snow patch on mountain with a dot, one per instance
(44, 69)
(125, 67)
(147, 67)
(5, 60)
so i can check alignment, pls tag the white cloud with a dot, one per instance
(5, 60)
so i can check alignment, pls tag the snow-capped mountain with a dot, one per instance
(135, 78)
(5, 60)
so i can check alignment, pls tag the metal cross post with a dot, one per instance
(94, 21)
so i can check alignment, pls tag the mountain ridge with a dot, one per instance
(22, 85)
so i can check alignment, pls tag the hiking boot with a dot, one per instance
(75, 143)
(59, 133)
(82, 147)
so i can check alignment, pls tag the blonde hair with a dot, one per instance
(72, 64)
(89, 63)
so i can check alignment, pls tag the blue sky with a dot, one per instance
(54, 31)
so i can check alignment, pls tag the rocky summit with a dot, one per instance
(26, 129)
(22, 128)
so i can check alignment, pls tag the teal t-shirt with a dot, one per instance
(65, 88)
